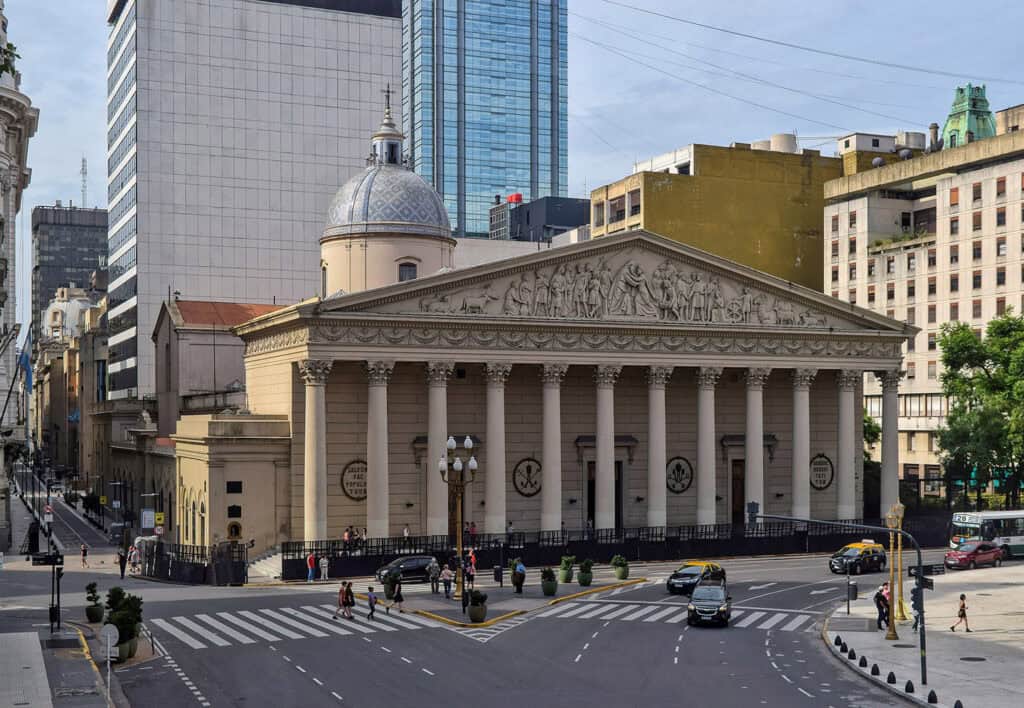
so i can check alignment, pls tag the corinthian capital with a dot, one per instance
(606, 375)
(378, 373)
(553, 374)
(707, 377)
(756, 378)
(847, 379)
(315, 371)
(658, 376)
(890, 379)
(438, 372)
(803, 378)
(497, 373)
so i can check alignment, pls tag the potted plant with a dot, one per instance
(620, 565)
(125, 612)
(477, 606)
(586, 574)
(548, 582)
(94, 610)
(565, 569)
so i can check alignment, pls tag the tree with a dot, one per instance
(7, 56)
(983, 380)
(872, 434)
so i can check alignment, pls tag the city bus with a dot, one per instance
(1004, 528)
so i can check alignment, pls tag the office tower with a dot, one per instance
(68, 245)
(231, 123)
(484, 88)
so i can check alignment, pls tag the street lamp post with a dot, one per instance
(453, 472)
(898, 510)
(892, 522)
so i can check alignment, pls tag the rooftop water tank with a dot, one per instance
(784, 142)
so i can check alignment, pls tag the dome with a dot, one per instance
(387, 198)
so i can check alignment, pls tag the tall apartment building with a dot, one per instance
(18, 121)
(933, 238)
(68, 244)
(484, 88)
(231, 122)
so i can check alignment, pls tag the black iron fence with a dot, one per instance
(223, 564)
(663, 543)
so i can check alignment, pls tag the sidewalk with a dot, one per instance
(982, 668)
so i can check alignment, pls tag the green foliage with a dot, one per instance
(586, 565)
(91, 594)
(477, 598)
(618, 561)
(567, 562)
(547, 575)
(124, 611)
(125, 622)
(872, 434)
(983, 378)
(115, 598)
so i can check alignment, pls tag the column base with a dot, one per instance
(706, 517)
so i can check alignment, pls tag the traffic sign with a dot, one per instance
(931, 569)
(927, 583)
(103, 500)
(47, 509)
(158, 530)
(116, 504)
(148, 518)
(159, 518)
(47, 559)
(110, 637)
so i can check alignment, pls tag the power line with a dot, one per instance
(710, 89)
(814, 50)
(597, 134)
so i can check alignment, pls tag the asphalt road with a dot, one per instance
(622, 648)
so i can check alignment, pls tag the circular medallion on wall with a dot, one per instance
(822, 472)
(678, 475)
(526, 477)
(353, 480)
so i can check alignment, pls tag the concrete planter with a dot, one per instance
(565, 575)
(585, 579)
(621, 572)
(94, 613)
(549, 587)
(477, 613)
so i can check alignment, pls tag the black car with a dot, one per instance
(709, 603)
(412, 568)
(691, 573)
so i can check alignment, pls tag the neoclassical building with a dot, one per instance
(626, 381)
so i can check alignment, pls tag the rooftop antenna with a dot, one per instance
(85, 175)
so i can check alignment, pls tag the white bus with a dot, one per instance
(1004, 528)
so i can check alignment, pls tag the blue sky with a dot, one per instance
(619, 110)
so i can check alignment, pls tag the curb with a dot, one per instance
(919, 697)
(603, 588)
(469, 625)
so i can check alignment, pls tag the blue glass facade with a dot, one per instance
(484, 101)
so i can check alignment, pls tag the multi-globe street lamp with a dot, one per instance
(454, 474)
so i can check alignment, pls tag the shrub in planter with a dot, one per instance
(94, 610)
(477, 606)
(125, 612)
(565, 569)
(548, 582)
(620, 566)
(586, 574)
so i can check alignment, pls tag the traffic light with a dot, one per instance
(917, 598)
(60, 574)
(752, 510)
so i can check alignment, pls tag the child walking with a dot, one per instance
(371, 602)
(961, 615)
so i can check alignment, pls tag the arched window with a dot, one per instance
(192, 526)
(234, 530)
(323, 281)
(202, 523)
(406, 271)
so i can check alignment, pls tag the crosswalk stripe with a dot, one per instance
(640, 613)
(593, 613)
(225, 630)
(317, 621)
(795, 622)
(400, 621)
(248, 627)
(558, 608)
(178, 634)
(431, 624)
(574, 611)
(750, 619)
(774, 620)
(293, 623)
(678, 618)
(367, 626)
(283, 631)
(735, 613)
(620, 611)
(328, 611)
(203, 632)
(658, 615)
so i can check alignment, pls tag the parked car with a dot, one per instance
(974, 553)
(412, 568)
(691, 573)
(857, 558)
(710, 602)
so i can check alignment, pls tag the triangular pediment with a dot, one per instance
(633, 277)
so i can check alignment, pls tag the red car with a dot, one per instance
(975, 553)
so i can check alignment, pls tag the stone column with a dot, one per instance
(657, 380)
(314, 467)
(378, 374)
(801, 493)
(890, 492)
(604, 478)
(551, 448)
(494, 474)
(847, 454)
(438, 373)
(707, 379)
(753, 490)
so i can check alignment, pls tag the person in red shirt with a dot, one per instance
(310, 567)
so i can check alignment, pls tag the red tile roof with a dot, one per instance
(224, 314)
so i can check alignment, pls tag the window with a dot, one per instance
(406, 271)
(906, 221)
(835, 274)
(323, 283)
(853, 296)
(890, 265)
(911, 370)
(891, 314)
(1001, 216)
(911, 262)
(1001, 246)
(835, 248)
(871, 294)
(234, 487)
(853, 271)
(234, 530)
(634, 202)
(954, 197)
(1001, 276)
(234, 511)
(932, 367)
(931, 341)
(932, 259)
(976, 309)
(931, 286)
(871, 267)
(976, 221)
(912, 344)
(853, 220)
(835, 223)
(853, 245)
(835, 294)
(599, 214)
(976, 280)
(1000, 187)
(911, 442)
(954, 283)
(874, 142)
(911, 315)
(1000, 306)
(954, 226)
(976, 191)
(890, 292)
(954, 255)
(911, 289)
(931, 314)
(954, 312)
(976, 250)
(617, 209)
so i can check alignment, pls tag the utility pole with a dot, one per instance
(85, 188)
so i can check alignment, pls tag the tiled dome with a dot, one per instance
(387, 198)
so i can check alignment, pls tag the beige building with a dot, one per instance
(626, 381)
(932, 239)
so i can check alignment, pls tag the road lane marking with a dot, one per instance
(408, 661)
(427, 671)
(370, 626)
(820, 592)
(662, 613)
(178, 634)
(577, 659)
(795, 587)
(386, 649)
(639, 613)
(809, 695)
(274, 614)
(226, 630)
(761, 587)
(772, 621)
(337, 696)
(786, 678)
(557, 608)
(678, 618)
(594, 635)
(586, 646)
(202, 631)
(250, 628)
(283, 631)
(300, 668)
(675, 659)
(601, 609)
(316, 621)
(794, 623)
(286, 658)
(606, 624)
(391, 619)
(620, 611)
(750, 619)
(354, 624)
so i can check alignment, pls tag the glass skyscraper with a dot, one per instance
(484, 86)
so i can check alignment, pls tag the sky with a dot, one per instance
(639, 84)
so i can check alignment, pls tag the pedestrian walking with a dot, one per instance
(961, 615)
(882, 606)
(350, 600)
(519, 576)
(346, 537)
(590, 528)
(324, 567)
(434, 573)
(371, 602)
(122, 561)
(470, 572)
(405, 531)
(310, 567)
(133, 560)
(341, 602)
(446, 580)
(85, 556)
(398, 598)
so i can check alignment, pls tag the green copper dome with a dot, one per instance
(970, 112)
